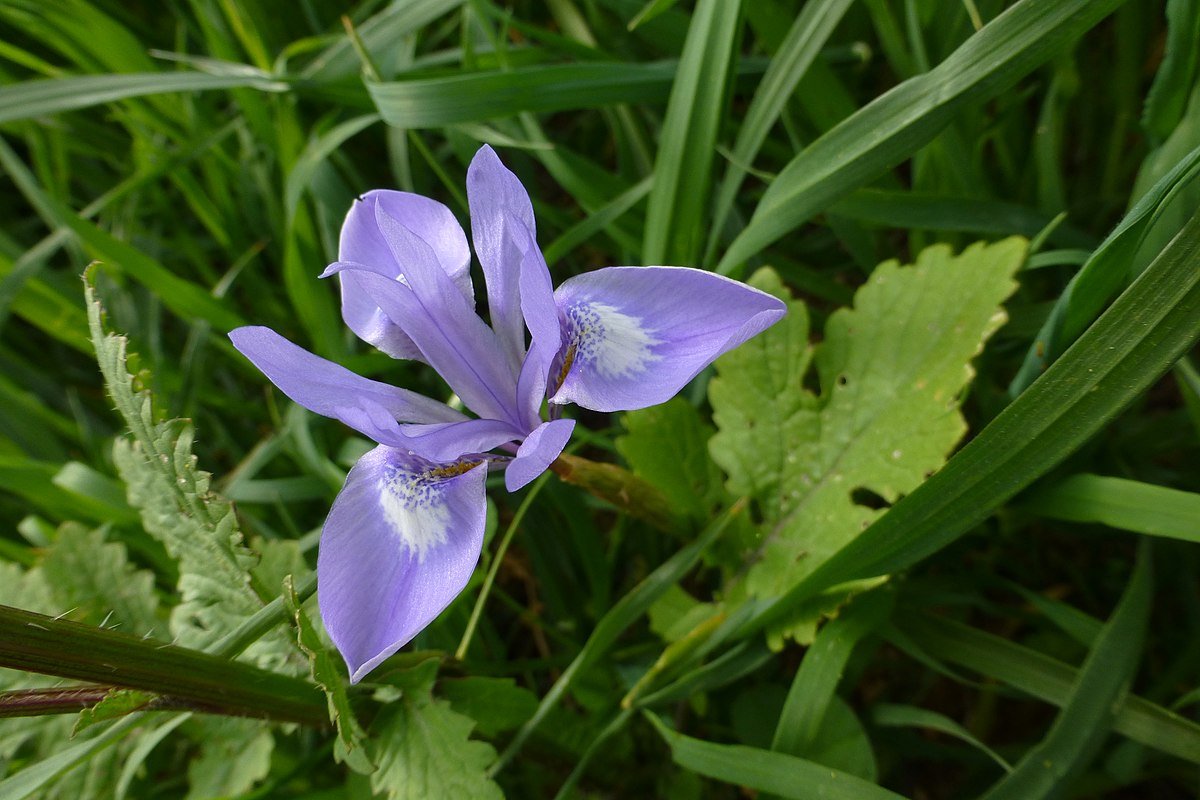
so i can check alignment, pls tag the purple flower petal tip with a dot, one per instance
(538, 452)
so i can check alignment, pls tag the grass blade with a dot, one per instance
(765, 771)
(897, 124)
(1120, 503)
(674, 230)
(808, 34)
(1088, 713)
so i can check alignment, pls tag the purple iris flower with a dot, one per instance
(406, 531)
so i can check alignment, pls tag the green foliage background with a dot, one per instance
(933, 535)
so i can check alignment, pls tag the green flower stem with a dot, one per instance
(66, 649)
(494, 568)
(622, 488)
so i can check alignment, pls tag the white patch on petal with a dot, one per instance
(609, 340)
(413, 505)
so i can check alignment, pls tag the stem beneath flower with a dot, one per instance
(494, 568)
(620, 487)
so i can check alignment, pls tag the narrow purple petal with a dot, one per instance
(537, 452)
(448, 441)
(362, 241)
(370, 407)
(451, 337)
(399, 545)
(541, 317)
(637, 335)
(500, 215)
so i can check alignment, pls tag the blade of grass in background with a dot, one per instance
(895, 125)
(1120, 503)
(1087, 716)
(687, 142)
(808, 34)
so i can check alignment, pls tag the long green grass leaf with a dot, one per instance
(1121, 503)
(1086, 717)
(897, 124)
(765, 771)
(674, 229)
(44, 97)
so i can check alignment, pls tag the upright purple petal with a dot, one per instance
(541, 317)
(370, 407)
(537, 452)
(637, 335)
(441, 322)
(362, 242)
(398, 546)
(500, 214)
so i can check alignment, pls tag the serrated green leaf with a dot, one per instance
(667, 445)
(117, 703)
(351, 746)
(198, 528)
(423, 748)
(891, 370)
(94, 577)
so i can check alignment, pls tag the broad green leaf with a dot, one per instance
(1087, 716)
(329, 675)
(891, 369)
(496, 704)
(683, 167)
(423, 749)
(198, 529)
(895, 125)
(234, 755)
(1121, 503)
(94, 578)
(667, 446)
(765, 771)
(1134, 342)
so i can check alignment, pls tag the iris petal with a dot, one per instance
(334, 391)
(501, 217)
(361, 241)
(537, 452)
(637, 335)
(398, 546)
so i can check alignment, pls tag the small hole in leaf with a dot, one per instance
(862, 496)
(842, 380)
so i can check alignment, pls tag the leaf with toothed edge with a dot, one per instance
(891, 370)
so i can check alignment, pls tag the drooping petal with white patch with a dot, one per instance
(370, 407)
(363, 242)
(637, 335)
(442, 324)
(398, 546)
(537, 452)
(501, 218)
